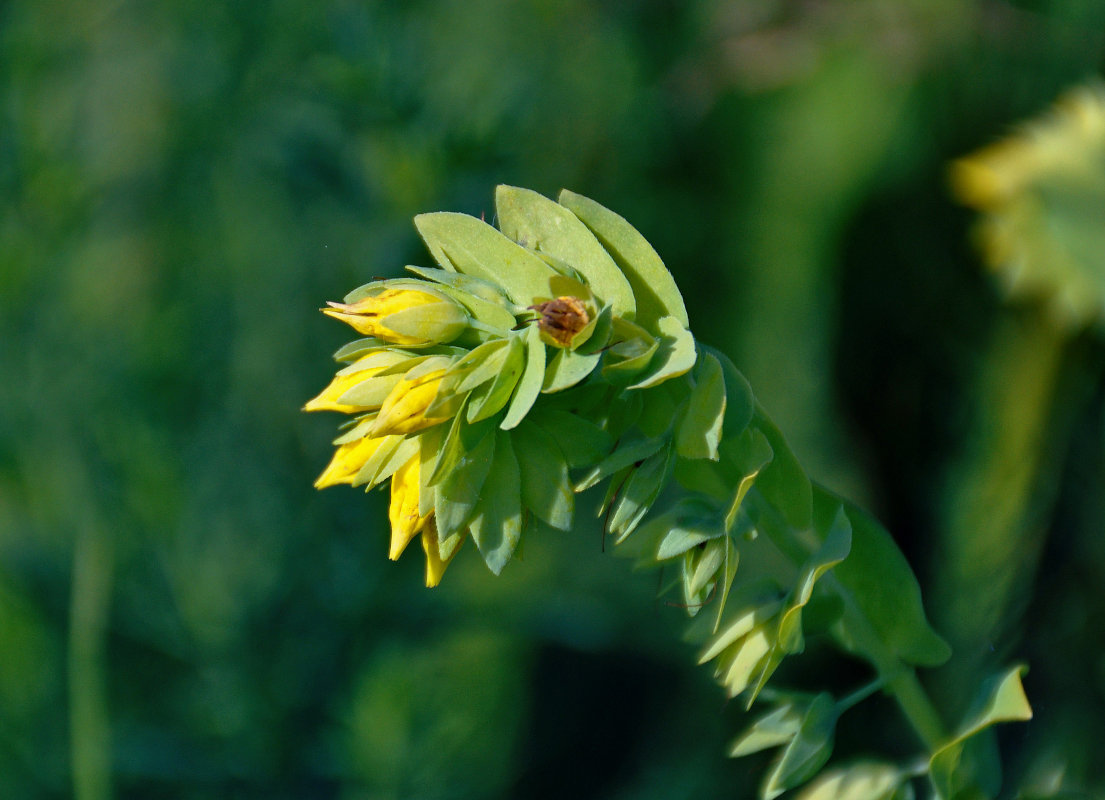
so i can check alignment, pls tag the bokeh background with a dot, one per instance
(183, 183)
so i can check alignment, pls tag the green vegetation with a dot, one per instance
(183, 615)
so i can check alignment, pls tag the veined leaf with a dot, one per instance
(465, 244)
(542, 224)
(653, 286)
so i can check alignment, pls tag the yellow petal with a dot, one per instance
(404, 410)
(366, 315)
(347, 462)
(403, 511)
(327, 400)
(435, 564)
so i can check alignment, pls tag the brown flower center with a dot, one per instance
(561, 319)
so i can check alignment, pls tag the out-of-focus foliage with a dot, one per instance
(182, 182)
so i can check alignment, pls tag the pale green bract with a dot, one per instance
(553, 356)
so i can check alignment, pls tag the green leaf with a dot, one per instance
(351, 351)
(497, 525)
(783, 482)
(699, 430)
(582, 442)
(740, 403)
(709, 561)
(490, 398)
(371, 392)
(388, 457)
(459, 442)
(639, 492)
(546, 488)
(807, 752)
(529, 385)
(775, 728)
(747, 456)
(739, 627)
(431, 444)
(884, 588)
(465, 244)
(675, 354)
(567, 368)
(1001, 699)
(626, 455)
(540, 224)
(481, 365)
(631, 355)
(835, 546)
(457, 493)
(653, 286)
(862, 781)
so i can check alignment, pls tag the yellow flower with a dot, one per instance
(404, 410)
(354, 375)
(436, 562)
(347, 462)
(403, 316)
(406, 522)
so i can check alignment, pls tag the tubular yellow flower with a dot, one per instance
(435, 564)
(347, 462)
(404, 410)
(403, 511)
(403, 316)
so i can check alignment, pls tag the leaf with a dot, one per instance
(777, 727)
(480, 365)
(626, 455)
(497, 525)
(835, 546)
(546, 488)
(783, 482)
(529, 385)
(581, 441)
(862, 781)
(639, 492)
(882, 585)
(653, 286)
(740, 627)
(807, 752)
(740, 403)
(465, 244)
(490, 398)
(458, 491)
(699, 430)
(1001, 699)
(540, 224)
(459, 442)
(675, 354)
(567, 368)
(749, 455)
(706, 566)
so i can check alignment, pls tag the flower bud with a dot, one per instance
(404, 316)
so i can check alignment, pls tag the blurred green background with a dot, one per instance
(183, 183)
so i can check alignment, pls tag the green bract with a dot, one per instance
(553, 356)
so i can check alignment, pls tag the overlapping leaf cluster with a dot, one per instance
(552, 355)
